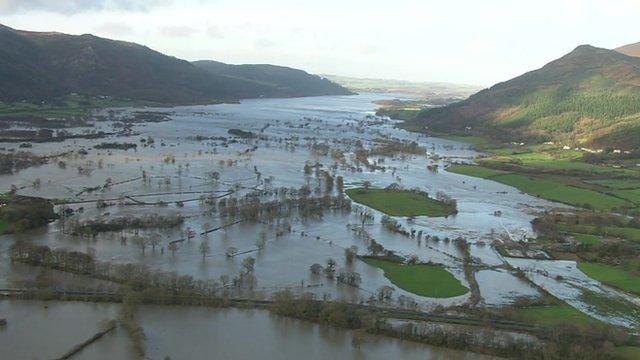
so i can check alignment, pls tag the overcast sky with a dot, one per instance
(464, 41)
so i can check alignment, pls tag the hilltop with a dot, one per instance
(273, 80)
(589, 97)
(631, 49)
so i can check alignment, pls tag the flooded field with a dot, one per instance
(192, 333)
(203, 161)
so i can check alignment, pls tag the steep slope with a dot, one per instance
(590, 96)
(41, 65)
(631, 49)
(275, 81)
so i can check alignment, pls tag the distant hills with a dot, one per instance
(273, 81)
(631, 49)
(590, 97)
(37, 66)
(422, 89)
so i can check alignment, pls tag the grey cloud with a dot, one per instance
(114, 28)
(177, 31)
(75, 6)
(263, 43)
(214, 32)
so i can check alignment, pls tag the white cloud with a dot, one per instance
(74, 6)
(177, 31)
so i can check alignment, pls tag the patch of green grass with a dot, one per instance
(425, 280)
(611, 275)
(554, 314)
(560, 192)
(587, 239)
(4, 225)
(618, 184)
(475, 171)
(400, 202)
(627, 352)
(631, 195)
(627, 233)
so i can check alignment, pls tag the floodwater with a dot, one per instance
(33, 332)
(179, 165)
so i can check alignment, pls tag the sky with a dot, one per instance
(459, 41)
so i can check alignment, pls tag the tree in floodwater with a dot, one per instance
(231, 252)
(140, 242)
(316, 269)
(340, 183)
(330, 269)
(154, 240)
(350, 253)
(173, 247)
(385, 292)
(248, 264)
(262, 240)
(204, 249)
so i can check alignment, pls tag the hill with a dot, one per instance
(35, 66)
(631, 49)
(274, 81)
(589, 97)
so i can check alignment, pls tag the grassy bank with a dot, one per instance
(612, 275)
(424, 280)
(400, 202)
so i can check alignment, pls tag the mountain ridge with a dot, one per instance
(630, 49)
(36, 66)
(590, 97)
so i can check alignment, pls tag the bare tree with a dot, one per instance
(154, 240)
(204, 249)
(173, 247)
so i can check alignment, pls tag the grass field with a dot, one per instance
(400, 202)
(553, 314)
(619, 184)
(587, 239)
(425, 280)
(627, 352)
(611, 275)
(553, 190)
(632, 195)
(628, 233)
(3, 226)
(560, 192)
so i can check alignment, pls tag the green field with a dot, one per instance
(553, 190)
(587, 239)
(618, 184)
(611, 275)
(560, 192)
(400, 202)
(3, 226)
(627, 352)
(425, 280)
(553, 314)
(632, 195)
(627, 233)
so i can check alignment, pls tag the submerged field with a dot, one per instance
(253, 200)
(400, 202)
(548, 188)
